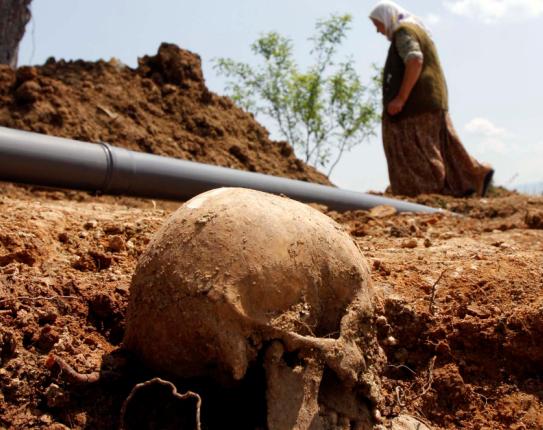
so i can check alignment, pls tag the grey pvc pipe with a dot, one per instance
(39, 159)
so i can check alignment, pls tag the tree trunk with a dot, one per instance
(14, 15)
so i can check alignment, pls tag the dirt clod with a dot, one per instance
(27, 92)
(56, 397)
(116, 244)
(534, 219)
(8, 345)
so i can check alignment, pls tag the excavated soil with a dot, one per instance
(459, 307)
(163, 107)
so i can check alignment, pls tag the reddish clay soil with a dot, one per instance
(163, 107)
(458, 310)
(461, 297)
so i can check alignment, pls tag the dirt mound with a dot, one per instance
(162, 107)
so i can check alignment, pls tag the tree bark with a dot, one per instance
(14, 15)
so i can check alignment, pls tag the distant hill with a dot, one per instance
(532, 188)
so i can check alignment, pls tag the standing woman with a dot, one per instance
(423, 151)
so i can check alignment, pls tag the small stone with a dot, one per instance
(122, 290)
(48, 316)
(413, 228)
(379, 266)
(383, 211)
(396, 231)
(410, 244)
(391, 341)
(80, 419)
(55, 396)
(89, 225)
(113, 229)
(381, 320)
(477, 312)
(432, 221)
(46, 419)
(47, 338)
(116, 244)
(427, 243)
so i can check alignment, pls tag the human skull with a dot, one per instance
(233, 270)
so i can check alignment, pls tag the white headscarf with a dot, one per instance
(392, 15)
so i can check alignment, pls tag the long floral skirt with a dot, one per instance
(424, 155)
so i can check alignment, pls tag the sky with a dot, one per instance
(490, 51)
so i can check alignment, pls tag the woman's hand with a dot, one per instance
(395, 106)
(413, 69)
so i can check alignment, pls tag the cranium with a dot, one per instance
(234, 271)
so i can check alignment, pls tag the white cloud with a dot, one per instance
(432, 19)
(492, 137)
(495, 10)
(485, 128)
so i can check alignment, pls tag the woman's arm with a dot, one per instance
(413, 68)
(408, 48)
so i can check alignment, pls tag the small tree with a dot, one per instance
(323, 111)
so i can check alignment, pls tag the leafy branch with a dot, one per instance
(324, 111)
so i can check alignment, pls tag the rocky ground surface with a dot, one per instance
(458, 305)
(459, 309)
(461, 297)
